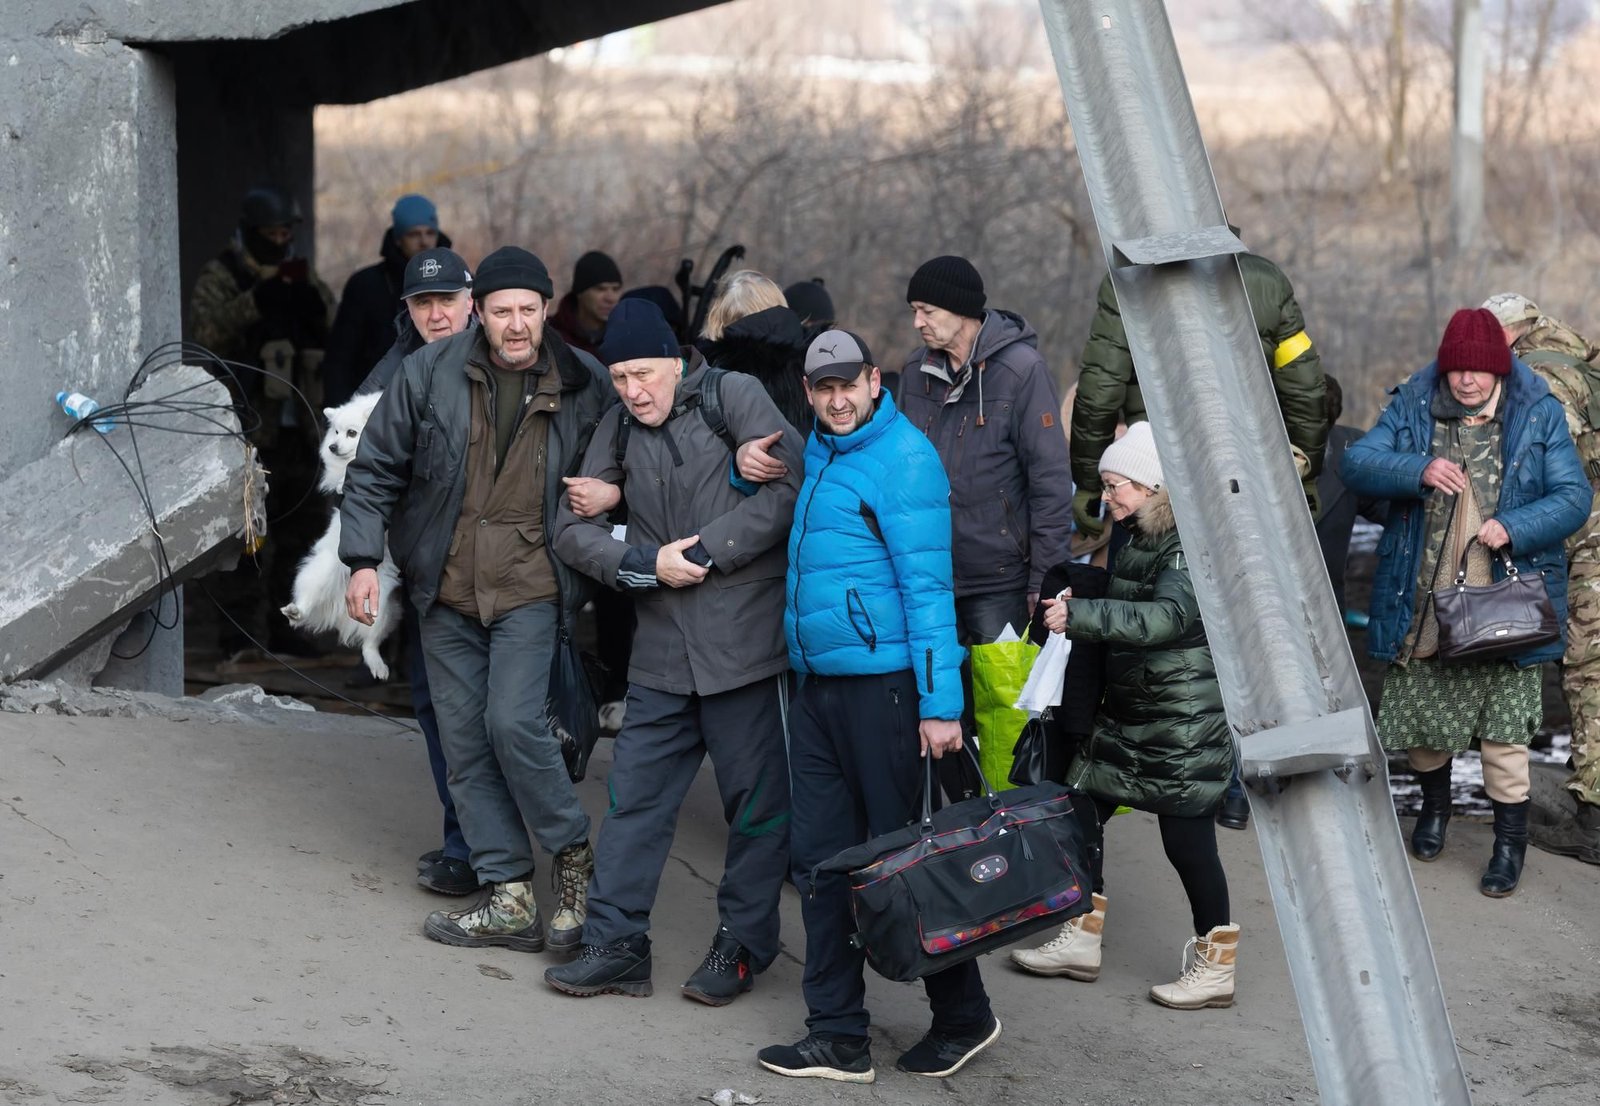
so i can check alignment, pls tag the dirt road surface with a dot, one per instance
(196, 913)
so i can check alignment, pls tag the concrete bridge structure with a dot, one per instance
(130, 128)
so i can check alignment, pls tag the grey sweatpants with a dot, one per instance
(506, 772)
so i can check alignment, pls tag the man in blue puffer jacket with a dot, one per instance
(870, 618)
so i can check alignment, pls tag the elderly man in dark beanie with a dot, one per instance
(710, 671)
(983, 395)
(581, 315)
(460, 470)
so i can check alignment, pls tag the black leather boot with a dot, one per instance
(1427, 839)
(1500, 878)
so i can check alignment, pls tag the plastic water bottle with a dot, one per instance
(80, 406)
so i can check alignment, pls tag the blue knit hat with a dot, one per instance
(635, 330)
(414, 211)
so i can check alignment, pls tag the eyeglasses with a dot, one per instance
(1106, 490)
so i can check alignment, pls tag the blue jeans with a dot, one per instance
(506, 772)
(455, 843)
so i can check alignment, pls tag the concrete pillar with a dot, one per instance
(88, 203)
(88, 259)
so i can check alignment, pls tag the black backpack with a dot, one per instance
(707, 398)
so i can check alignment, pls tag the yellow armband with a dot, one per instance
(1290, 348)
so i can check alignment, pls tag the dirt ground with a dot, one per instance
(194, 913)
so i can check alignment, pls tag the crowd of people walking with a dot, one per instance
(805, 566)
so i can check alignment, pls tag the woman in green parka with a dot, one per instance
(1160, 741)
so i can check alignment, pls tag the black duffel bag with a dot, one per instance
(965, 880)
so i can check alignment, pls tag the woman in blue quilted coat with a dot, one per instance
(1474, 456)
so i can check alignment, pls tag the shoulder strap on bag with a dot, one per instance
(711, 407)
(708, 398)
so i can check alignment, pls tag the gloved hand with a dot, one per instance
(1083, 503)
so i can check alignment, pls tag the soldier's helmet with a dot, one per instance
(266, 206)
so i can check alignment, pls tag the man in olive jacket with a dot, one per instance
(1108, 390)
(460, 467)
(710, 668)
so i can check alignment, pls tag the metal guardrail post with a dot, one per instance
(1352, 926)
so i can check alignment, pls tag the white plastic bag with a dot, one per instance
(1047, 677)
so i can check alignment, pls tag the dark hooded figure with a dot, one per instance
(769, 345)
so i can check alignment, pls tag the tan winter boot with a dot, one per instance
(570, 877)
(507, 917)
(1074, 952)
(1207, 978)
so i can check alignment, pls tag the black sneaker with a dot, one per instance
(449, 875)
(724, 974)
(622, 968)
(429, 858)
(938, 1055)
(819, 1058)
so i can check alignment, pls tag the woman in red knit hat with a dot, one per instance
(1473, 454)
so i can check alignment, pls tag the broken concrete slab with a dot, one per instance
(239, 704)
(85, 557)
(252, 694)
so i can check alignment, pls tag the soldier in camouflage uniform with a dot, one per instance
(1567, 362)
(259, 305)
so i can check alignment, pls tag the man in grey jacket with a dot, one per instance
(705, 556)
(981, 392)
(460, 467)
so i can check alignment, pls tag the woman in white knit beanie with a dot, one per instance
(1160, 741)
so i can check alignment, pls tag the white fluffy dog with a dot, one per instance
(321, 583)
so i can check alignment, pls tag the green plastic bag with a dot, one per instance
(998, 672)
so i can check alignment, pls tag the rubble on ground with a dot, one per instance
(237, 703)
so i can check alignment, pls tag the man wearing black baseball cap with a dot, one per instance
(460, 469)
(437, 298)
(871, 625)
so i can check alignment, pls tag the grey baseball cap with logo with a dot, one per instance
(836, 355)
(435, 270)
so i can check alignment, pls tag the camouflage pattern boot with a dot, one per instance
(570, 877)
(506, 917)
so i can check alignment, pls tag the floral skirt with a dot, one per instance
(1444, 706)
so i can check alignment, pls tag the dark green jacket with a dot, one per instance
(1160, 740)
(1108, 388)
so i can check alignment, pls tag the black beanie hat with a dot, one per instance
(635, 330)
(512, 267)
(594, 268)
(810, 300)
(948, 282)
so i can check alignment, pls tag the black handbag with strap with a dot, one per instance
(1489, 622)
(965, 880)
(1041, 753)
